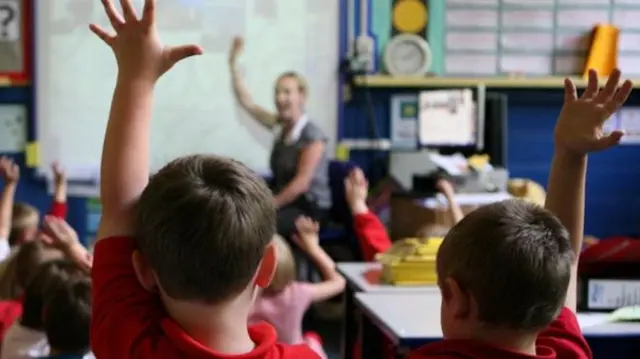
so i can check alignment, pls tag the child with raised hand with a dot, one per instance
(180, 255)
(371, 233)
(284, 302)
(20, 223)
(508, 271)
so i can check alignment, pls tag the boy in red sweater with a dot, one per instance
(507, 271)
(371, 233)
(181, 255)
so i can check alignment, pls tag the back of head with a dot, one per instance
(67, 317)
(29, 258)
(24, 223)
(49, 278)
(515, 259)
(203, 223)
(286, 267)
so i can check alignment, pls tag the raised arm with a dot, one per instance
(578, 132)
(371, 233)
(59, 206)
(446, 188)
(10, 174)
(244, 98)
(141, 59)
(307, 239)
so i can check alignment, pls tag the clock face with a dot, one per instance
(408, 57)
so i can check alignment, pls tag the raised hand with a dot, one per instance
(59, 176)
(307, 233)
(136, 44)
(579, 127)
(236, 49)
(9, 170)
(59, 234)
(356, 187)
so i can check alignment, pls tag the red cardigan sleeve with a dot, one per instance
(59, 209)
(372, 235)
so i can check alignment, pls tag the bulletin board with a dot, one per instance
(534, 37)
(15, 46)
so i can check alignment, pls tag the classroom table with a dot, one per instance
(365, 277)
(410, 320)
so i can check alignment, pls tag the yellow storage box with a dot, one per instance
(411, 261)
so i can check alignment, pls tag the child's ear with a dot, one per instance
(144, 273)
(267, 267)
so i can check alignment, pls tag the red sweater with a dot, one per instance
(372, 235)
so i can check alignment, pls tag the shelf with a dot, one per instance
(7, 82)
(490, 82)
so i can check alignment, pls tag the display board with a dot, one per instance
(194, 110)
(534, 37)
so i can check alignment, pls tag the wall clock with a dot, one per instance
(407, 55)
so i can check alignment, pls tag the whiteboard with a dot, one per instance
(194, 108)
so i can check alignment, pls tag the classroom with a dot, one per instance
(337, 152)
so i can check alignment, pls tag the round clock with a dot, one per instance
(407, 55)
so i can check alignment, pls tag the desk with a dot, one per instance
(364, 277)
(410, 320)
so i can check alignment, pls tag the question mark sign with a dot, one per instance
(7, 15)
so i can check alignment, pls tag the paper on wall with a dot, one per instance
(13, 128)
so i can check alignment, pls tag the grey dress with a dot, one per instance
(284, 164)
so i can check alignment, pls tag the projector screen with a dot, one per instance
(194, 109)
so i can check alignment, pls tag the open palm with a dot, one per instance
(580, 125)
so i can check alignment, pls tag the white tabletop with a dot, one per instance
(415, 317)
(464, 199)
(356, 275)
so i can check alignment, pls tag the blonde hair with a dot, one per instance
(527, 190)
(24, 216)
(302, 83)
(285, 268)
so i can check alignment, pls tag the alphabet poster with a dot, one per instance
(11, 38)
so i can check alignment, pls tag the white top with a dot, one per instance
(414, 316)
(355, 272)
(24, 343)
(5, 250)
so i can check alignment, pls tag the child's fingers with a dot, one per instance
(128, 11)
(46, 239)
(114, 17)
(179, 53)
(102, 34)
(149, 12)
(592, 85)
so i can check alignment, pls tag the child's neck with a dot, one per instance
(524, 343)
(217, 327)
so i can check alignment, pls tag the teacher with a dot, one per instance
(298, 160)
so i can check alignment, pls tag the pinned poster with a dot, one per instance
(12, 62)
(629, 122)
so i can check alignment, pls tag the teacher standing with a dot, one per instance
(298, 160)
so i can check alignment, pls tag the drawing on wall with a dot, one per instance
(13, 128)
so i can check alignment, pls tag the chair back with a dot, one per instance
(338, 171)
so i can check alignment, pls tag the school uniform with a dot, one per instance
(130, 323)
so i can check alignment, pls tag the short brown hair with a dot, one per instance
(67, 317)
(50, 277)
(286, 268)
(203, 223)
(515, 258)
(24, 216)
